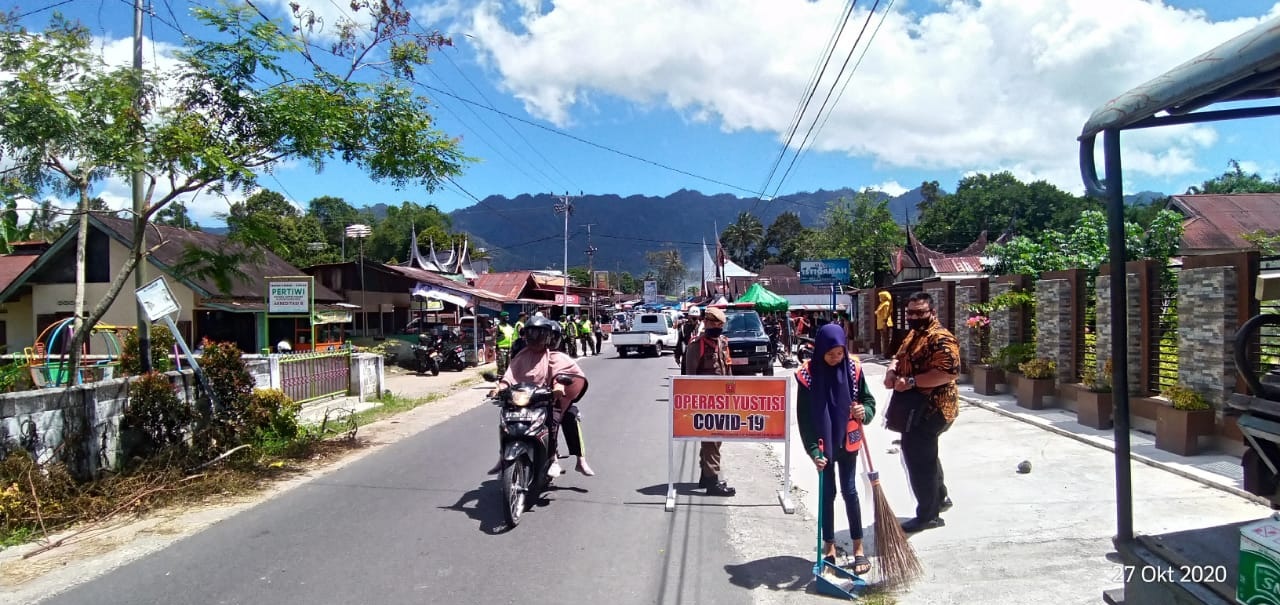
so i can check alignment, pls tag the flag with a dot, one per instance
(720, 259)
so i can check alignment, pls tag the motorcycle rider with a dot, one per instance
(539, 362)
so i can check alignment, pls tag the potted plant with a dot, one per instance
(1180, 425)
(1036, 382)
(1006, 360)
(986, 376)
(1093, 402)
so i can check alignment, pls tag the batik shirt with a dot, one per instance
(934, 349)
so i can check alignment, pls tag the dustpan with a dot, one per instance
(829, 579)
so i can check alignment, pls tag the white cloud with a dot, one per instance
(972, 86)
(328, 15)
(891, 188)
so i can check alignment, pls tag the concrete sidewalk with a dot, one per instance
(1042, 537)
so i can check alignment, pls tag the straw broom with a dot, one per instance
(899, 565)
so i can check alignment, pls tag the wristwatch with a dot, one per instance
(911, 382)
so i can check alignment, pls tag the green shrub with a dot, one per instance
(162, 344)
(1008, 358)
(1186, 398)
(155, 414)
(271, 412)
(1040, 367)
(232, 385)
(1098, 383)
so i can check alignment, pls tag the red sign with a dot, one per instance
(722, 408)
(573, 299)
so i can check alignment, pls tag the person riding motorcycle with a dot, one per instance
(539, 362)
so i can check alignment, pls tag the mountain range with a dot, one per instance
(526, 232)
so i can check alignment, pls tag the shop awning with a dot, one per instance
(438, 293)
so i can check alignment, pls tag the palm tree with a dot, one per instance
(742, 238)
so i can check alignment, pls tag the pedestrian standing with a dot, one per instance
(505, 338)
(926, 367)
(708, 355)
(884, 324)
(833, 402)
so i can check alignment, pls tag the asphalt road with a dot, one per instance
(421, 522)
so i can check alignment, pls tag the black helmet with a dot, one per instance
(542, 330)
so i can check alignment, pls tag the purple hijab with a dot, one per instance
(830, 395)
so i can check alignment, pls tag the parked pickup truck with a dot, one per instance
(650, 333)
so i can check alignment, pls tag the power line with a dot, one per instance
(811, 88)
(827, 98)
(862, 56)
(585, 141)
(43, 9)
(531, 146)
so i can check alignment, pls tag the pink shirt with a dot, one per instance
(528, 366)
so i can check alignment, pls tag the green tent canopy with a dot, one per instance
(764, 300)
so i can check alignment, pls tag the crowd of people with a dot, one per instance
(833, 398)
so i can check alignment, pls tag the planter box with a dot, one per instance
(985, 379)
(1032, 391)
(1094, 409)
(1179, 431)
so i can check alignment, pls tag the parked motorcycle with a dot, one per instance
(425, 357)
(449, 355)
(527, 442)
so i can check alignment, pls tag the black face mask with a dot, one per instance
(713, 332)
(920, 323)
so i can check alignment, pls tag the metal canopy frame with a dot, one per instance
(1243, 69)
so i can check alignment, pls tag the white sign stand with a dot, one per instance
(160, 305)
(784, 495)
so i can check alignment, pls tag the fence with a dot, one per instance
(1163, 309)
(1264, 351)
(310, 376)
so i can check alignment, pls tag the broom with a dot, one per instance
(899, 565)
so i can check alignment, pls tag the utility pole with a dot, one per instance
(139, 267)
(591, 274)
(565, 207)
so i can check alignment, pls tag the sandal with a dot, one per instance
(831, 558)
(861, 565)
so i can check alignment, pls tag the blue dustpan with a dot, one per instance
(828, 579)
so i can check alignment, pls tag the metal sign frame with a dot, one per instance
(825, 271)
(784, 494)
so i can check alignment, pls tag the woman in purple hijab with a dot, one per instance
(832, 403)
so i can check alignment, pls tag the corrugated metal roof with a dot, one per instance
(429, 277)
(509, 284)
(957, 264)
(1218, 222)
(12, 265)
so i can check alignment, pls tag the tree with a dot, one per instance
(861, 230)
(1236, 180)
(668, 269)
(626, 284)
(392, 234)
(176, 215)
(1085, 245)
(334, 215)
(579, 276)
(995, 203)
(70, 121)
(267, 220)
(743, 239)
(786, 239)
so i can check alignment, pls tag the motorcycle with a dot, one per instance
(449, 355)
(425, 358)
(527, 442)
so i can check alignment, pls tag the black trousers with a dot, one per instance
(924, 469)
(570, 425)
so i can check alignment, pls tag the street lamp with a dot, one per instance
(360, 232)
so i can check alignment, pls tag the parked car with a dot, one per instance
(649, 332)
(748, 342)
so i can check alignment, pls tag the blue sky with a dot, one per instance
(945, 88)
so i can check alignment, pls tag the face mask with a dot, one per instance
(920, 323)
(713, 332)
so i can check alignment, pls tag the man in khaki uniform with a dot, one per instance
(708, 355)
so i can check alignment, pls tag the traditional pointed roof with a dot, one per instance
(731, 269)
(916, 254)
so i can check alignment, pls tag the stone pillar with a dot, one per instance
(1009, 326)
(867, 318)
(968, 292)
(1136, 338)
(1056, 326)
(943, 293)
(1208, 304)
